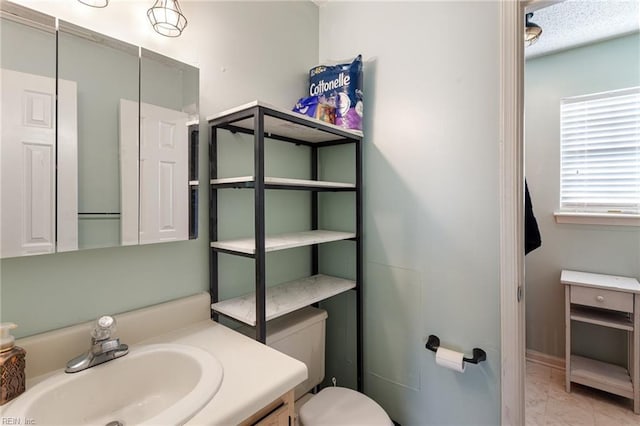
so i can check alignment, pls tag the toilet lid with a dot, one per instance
(342, 406)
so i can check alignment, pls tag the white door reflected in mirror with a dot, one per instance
(29, 150)
(163, 193)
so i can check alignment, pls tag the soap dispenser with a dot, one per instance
(12, 363)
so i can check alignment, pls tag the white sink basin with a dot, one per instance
(164, 384)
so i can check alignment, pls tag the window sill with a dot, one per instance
(616, 219)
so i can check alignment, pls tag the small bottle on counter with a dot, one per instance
(12, 363)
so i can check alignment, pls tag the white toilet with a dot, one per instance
(301, 335)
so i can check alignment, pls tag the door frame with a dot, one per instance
(512, 274)
(512, 332)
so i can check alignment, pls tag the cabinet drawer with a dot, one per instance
(605, 299)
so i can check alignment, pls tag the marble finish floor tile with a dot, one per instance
(548, 404)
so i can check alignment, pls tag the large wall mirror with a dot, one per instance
(112, 162)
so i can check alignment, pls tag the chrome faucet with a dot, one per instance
(103, 347)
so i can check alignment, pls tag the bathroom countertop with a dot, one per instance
(254, 374)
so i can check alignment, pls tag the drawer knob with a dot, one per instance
(600, 298)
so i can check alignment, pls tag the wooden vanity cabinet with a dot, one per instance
(280, 412)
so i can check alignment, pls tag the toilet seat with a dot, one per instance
(342, 406)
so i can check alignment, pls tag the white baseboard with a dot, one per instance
(544, 359)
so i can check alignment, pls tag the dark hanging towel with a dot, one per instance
(532, 239)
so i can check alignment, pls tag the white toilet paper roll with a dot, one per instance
(450, 359)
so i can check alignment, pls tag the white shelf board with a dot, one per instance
(284, 298)
(277, 126)
(283, 241)
(606, 282)
(193, 183)
(608, 377)
(602, 317)
(285, 182)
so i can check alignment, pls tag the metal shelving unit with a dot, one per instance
(255, 309)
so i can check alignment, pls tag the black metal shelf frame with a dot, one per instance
(194, 135)
(338, 137)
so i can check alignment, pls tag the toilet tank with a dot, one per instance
(301, 335)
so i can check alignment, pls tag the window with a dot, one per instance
(600, 152)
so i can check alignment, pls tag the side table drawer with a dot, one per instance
(605, 299)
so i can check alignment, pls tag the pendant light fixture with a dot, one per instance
(95, 3)
(167, 18)
(532, 31)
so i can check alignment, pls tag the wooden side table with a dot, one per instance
(608, 301)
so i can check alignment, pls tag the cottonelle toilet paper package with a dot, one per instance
(341, 84)
(317, 107)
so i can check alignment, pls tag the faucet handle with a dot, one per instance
(105, 326)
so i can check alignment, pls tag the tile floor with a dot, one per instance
(547, 403)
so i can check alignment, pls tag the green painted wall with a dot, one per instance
(615, 250)
(45, 292)
(431, 168)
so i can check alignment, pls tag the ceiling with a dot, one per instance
(573, 23)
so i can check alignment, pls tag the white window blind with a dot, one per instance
(600, 152)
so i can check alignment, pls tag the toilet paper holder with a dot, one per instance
(433, 343)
